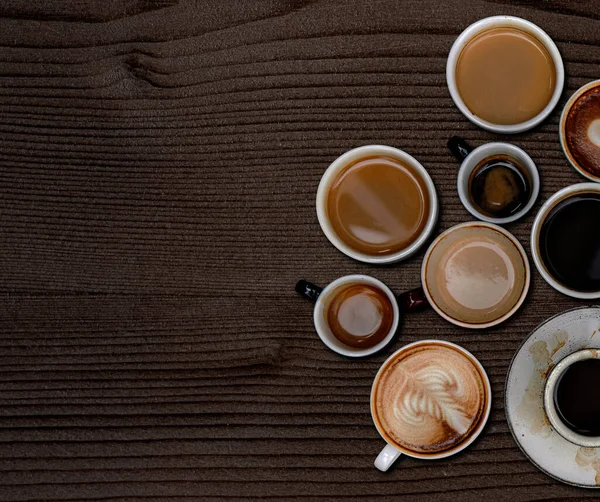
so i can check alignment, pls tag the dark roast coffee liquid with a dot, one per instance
(577, 397)
(499, 187)
(570, 242)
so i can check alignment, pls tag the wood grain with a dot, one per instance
(158, 167)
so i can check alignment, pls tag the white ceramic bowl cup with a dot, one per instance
(535, 237)
(349, 158)
(475, 157)
(550, 407)
(498, 22)
(391, 452)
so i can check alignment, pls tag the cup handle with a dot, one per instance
(414, 299)
(308, 290)
(387, 457)
(459, 148)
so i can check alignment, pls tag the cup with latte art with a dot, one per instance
(429, 400)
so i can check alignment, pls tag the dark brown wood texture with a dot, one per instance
(158, 169)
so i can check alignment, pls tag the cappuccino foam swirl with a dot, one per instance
(430, 399)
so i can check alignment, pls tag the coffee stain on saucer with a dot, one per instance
(589, 457)
(531, 408)
(560, 338)
(592, 335)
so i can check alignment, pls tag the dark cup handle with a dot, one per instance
(459, 148)
(308, 290)
(412, 300)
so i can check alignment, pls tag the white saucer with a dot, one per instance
(554, 339)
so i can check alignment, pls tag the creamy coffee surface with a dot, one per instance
(582, 131)
(475, 274)
(378, 205)
(430, 399)
(505, 76)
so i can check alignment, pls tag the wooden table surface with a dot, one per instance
(158, 168)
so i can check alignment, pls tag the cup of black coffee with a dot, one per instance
(565, 241)
(572, 398)
(497, 182)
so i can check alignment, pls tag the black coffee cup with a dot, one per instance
(497, 182)
(565, 242)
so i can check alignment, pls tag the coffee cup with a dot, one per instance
(475, 275)
(358, 315)
(565, 242)
(377, 204)
(497, 182)
(572, 411)
(490, 70)
(429, 400)
(580, 130)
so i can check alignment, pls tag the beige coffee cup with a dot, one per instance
(356, 155)
(482, 26)
(415, 405)
(475, 275)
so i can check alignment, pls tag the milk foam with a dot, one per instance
(593, 132)
(431, 400)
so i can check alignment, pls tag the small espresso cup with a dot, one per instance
(577, 235)
(471, 159)
(405, 302)
(352, 157)
(443, 390)
(550, 406)
(520, 24)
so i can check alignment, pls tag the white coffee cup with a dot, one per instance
(535, 237)
(498, 22)
(563, 133)
(407, 301)
(550, 408)
(391, 452)
(471, 158)
(352, 156)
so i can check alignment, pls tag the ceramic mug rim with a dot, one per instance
(562, 129)
(526, 278)
(499, 21)
(475, 157)
(328, 339)
(461, 446)
(549, 406)
(540, 217)
(351, 156)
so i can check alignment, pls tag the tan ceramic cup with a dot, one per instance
(475, 275)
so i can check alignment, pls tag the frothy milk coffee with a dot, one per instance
(430, 398)
(580, 130)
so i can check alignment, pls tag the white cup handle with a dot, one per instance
(387, 457)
